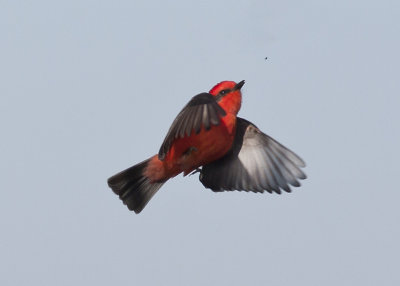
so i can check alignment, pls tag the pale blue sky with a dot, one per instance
(88, 88)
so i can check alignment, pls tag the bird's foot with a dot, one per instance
(198, 170)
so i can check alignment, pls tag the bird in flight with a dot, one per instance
(229, 152)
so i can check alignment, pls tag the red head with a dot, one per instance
(228, 95)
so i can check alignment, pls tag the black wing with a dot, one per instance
(255, 163)
(202, 110)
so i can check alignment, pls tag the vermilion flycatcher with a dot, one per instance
(233, 153)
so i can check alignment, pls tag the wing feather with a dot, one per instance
(202, 111)
(255, 163)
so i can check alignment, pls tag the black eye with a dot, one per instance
(223, 92)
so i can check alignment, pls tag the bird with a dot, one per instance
(207, 137)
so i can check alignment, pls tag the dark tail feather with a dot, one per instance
(133, 188)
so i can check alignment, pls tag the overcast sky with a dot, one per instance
(89, 88)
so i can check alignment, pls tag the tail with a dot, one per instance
(134, 188)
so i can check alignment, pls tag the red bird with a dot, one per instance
(233, 153)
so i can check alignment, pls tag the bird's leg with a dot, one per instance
(198, 170)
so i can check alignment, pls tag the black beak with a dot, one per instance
(239, 85)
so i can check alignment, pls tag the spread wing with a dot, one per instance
(202, 110)
(255, 163)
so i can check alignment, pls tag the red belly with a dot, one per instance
(189, 153)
